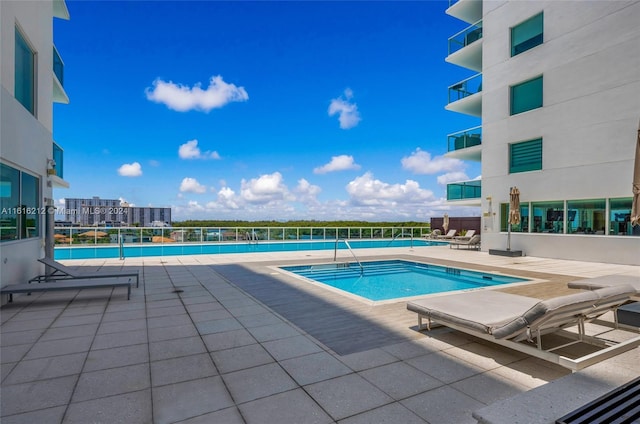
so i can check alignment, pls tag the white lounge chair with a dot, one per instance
(62, 272)
(449, 236)
(520, 322)
(607, 281)
(466, 236)
(472, 243)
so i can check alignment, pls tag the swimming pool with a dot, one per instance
(144, 250)
(394, 279)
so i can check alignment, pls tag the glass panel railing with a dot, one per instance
(58, 158)
(463, 139)
(465, 37)
(464, 190)
(58, 66)
(465, 88)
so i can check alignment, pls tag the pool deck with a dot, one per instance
(230, 339)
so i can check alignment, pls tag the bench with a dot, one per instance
(67, 285)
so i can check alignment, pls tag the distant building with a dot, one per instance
(113, 212)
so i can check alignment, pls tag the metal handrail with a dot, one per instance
(335, 253)
(401, 234)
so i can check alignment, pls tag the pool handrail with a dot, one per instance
(346, 242)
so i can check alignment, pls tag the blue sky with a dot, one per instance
(261, 110)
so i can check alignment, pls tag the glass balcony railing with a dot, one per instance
(58, 66)
(465, 88)
(463, 139)
(464, 190)
(58, 157)
(465, 37)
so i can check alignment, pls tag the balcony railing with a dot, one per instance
(58, 66)
(58, 157)
(465, 37)
(463, 139)
(464, 190)
(465, 88)
(102, 235)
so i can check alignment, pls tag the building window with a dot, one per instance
(548, 217)
(586, 216)
(527, 34)
(25, 73)
(620, 217)
(19, 203)
(523, 227)
(526, 96)
(525, 156)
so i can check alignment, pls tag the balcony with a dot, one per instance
(60, 9)
(56, 168)
(466, 96)
(59, 95)
(465, 48)
(465, 190)
(465, 145)
(469, 11)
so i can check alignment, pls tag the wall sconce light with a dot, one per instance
(51, 167)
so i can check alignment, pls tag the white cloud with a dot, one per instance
(306, 192)
(338, 163)
(264, 189)
(130, 170)
(348, 114)
(421, 162)
(191, 185)
(183, 98)
(367, 191)
(452, 177)
(190, 150)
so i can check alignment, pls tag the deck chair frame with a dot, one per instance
(62, 273)
(530, 339)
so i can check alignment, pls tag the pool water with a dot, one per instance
(394, 279)
(145, 250)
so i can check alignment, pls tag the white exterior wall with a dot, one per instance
(25, 140)
(590, 62)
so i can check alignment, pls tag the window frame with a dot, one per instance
(530, 42)
(22, 44)
(526, 167)
(531, 105)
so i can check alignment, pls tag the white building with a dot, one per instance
(557, 94)
(31, 76)
(97, 211)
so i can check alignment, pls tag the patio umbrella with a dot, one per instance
(635, 206)
(94, 234)
(514, 212)
(445, 223)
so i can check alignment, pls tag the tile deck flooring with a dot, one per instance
(230, 339)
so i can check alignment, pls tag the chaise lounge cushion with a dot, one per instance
(606, 281)
(505, 315)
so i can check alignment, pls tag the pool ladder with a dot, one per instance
(335, 253)
(402, 234)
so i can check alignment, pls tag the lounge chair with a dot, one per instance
(516, 321)
(472, 243)
(68, 284)
(62, 272)
(449, 236)
(435, 234)
(607, 281)
(466, 236)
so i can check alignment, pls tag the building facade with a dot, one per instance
(113, 212)
(556, 90)
(31, 163)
